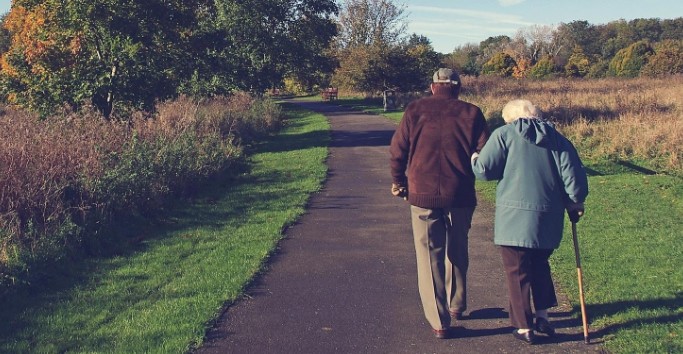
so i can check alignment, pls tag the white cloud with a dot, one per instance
(446, 34)
(455, 27)
(448, 27)
(456, 14)
(506, 3)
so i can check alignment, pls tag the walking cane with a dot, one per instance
(578, 270)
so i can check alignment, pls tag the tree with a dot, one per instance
(534, 42)
(578, 64)
(5, 38)
(672, 29)
(648, 29)
(501, 64)
(353, 64)
(577, 34)
(598, 69)
(116, 51)
(371, 23)
(492, 46)
(406, 67)
(543, 69)
(522, 68)
(464, 59)
(370, 32)
(131, 54)
(422, 61)
(266, 40)
(667, 60)
(628, 61)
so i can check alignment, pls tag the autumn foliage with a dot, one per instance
(121, 56)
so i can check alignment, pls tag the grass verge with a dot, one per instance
(162, 294)
(631, 247)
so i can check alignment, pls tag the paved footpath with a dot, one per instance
(344, 278)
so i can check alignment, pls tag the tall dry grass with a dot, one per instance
(64, 176)
(617, 118)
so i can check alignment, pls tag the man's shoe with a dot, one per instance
(456, 315)
(442, 333)
(528, 337)
(543, 326)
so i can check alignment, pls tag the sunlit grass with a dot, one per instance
(631, 244)
(631, 239)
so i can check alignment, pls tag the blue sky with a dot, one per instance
(451, 23)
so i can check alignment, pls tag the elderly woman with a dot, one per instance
(540, 176)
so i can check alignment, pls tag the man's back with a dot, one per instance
(433, 145)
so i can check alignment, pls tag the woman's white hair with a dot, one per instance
(516, 109)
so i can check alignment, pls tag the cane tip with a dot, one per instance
(587, 341)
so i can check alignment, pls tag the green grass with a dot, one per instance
(631, 247)
(161, 295)
(631, 244)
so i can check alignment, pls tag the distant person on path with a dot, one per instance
(430, 167)
(540, 176)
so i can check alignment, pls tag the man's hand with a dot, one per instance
(399, 191)
(575, 211)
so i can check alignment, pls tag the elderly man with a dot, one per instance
(430, 167)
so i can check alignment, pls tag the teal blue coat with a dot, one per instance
(539, 173)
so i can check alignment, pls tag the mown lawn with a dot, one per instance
(161, 295)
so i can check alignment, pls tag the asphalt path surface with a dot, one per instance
(343, 280)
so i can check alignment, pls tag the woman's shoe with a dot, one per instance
(527, 337)
(543, 326)
(442, 333)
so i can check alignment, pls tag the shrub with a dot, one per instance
(668, 59)
(543, 69)
(501, 64)
(628, 61)
(598, 69)
(61, 180)
(578, 64)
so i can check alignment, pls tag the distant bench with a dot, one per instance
(329, 94)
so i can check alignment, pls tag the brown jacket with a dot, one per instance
(432, 147)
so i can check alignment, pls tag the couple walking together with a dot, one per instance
(440, 147)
